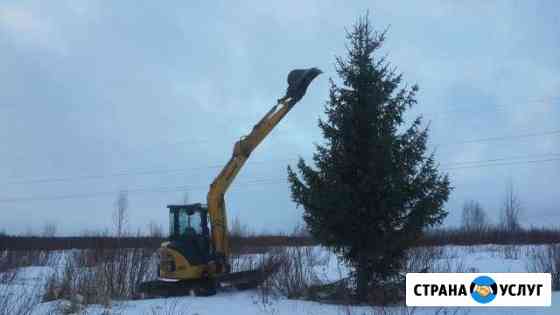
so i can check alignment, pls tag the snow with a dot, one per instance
(243, 303)
(487, 258)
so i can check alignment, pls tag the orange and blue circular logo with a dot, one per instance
(483, 289)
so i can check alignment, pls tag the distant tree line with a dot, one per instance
(76, 242)
(257, 243)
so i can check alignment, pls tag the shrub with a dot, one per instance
(16, 298)
(294, 272)
(421, 259)
(547, 260)
(109, 274)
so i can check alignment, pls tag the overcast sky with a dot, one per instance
(102, 96)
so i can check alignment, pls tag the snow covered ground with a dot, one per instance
(246, 303)
(487, 258)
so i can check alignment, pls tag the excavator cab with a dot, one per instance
(188, 251)
(188, 221)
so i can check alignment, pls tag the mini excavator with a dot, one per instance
(195, 259)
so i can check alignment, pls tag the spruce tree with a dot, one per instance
(374, 188)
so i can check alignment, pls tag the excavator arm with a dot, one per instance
(298, 81)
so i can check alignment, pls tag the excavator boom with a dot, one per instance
(298, 81)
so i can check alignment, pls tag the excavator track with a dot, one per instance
(242, 280)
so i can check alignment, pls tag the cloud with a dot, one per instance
(121, 85)
(25, 25)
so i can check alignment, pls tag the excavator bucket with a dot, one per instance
(298, 82)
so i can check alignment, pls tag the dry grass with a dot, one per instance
(171, 306)
(295, 273)
(102, 275)
(10, 259)
(421, 259)
(547, 260)
(17, 296)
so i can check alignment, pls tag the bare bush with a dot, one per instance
(421, 259)
(102, 275)
(547, 260)
(395, 310)
(155, 230)
(403, 310)
(240, 262)
(237, 229)
(510, 251)
(295, 273)
(297, 277)
(120, 216)
(300, 231)
(450, 311)
(75, 283)
(49, 230)
(391, 292)
(511, 210)
(7, 278)
(11, 259)
(18, 296)
(170, 306)
(19, 291)
(106, 271)
(474, 218)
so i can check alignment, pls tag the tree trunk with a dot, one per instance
(362, 279)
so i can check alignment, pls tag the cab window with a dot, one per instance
(189, 224)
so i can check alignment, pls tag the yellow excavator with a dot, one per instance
(195, 259)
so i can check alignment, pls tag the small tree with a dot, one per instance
(238, 229)
(49, 230)
(474, 218)
(155, 230)
(374, 189)
(511, 209)
(120, 216)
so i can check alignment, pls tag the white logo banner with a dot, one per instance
(478, 289)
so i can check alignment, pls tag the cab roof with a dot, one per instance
(191, 207)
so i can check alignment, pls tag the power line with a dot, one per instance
(134, 191)
(502, 159)
(259, 182)
(130, 173)
(501, 164)
(90, 177)
(171, 171)
(214, 166)
(500, 107)
(528, 135)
